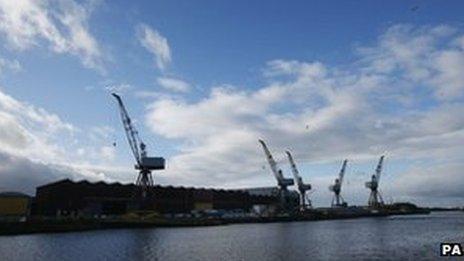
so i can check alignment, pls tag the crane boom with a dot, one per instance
(131, 132)
(302, 187)
(342, 172)
(378, 170)
(271, 161)
(295, 172)
(144, 163)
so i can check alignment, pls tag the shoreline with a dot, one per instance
(39, 226)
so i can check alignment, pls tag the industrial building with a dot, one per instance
(69, 198)
(14, 206)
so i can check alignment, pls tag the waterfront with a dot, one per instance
(384, 238)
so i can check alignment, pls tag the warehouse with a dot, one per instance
(75, 199)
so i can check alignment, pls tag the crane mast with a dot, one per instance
(378, 170)
(282, 182)
(131, 132)
(337, 200)
(296, 174)
(375, 199)
(302, 187)
(144, 163)
(342, 172)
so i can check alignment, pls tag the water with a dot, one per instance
(392, 238)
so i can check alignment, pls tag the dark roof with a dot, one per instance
(68, 181)
(114, 184)
(61, 181)
(12, 194)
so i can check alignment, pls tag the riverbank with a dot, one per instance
(38, 225)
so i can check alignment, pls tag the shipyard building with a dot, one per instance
(69, 198)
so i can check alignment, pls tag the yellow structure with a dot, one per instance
(13, 204)
(203, 205)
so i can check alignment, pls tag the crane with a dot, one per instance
(282, 182)
(144, 163)
(302, 187)
(337, 200)
(375, 199)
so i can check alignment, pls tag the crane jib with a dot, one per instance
(143, 162)
(378, 170)
(273, 164)
(298, 179)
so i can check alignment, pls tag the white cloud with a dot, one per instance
(61, 24)
(172, 84)
(156, 44)
(36, 147)
(108, 153)
(283, 67)
(323, 113)
(101, 132)
(27, 130)
(449, 79)
(118, 88)
(441, 183)
(22, 174)
(429, 182)
(428, 56)
(12, 65)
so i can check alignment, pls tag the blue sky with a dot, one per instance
(204, 80)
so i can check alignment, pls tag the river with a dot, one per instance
(415, 237)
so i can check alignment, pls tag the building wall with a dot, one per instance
(78, 198)
(14, 206)
(83, 198)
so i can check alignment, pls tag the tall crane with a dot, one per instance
(282, 182)
(375, 199)
(337, 200)
(144, 163)
(302, 187)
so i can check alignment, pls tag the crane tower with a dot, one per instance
(302, 187)
(144, 164)
(282, 182)
(375, 199)
(336, 188)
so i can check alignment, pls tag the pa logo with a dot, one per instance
(451, 249)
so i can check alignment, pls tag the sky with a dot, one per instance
(204, 80)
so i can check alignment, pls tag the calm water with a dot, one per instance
(393, 238)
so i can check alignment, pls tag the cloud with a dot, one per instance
(62, 24)
(27, 130)
(108, 153)
(283, 67)
(428, 56)
(118, 88)
(441, 183)
(12, 65)
(324, 113)
(37, 147)
(429, 182)
(155, 43)
(173, 84)
(21, 174)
